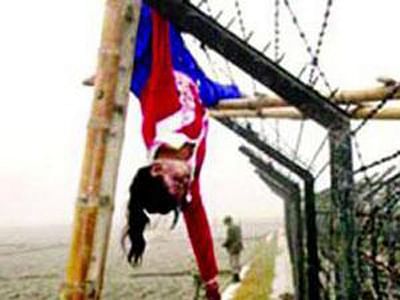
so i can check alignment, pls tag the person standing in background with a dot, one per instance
(234, 245)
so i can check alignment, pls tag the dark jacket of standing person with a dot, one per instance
(233, 242)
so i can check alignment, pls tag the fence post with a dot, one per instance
(307, 270)
(105, 134)
(290, 192)
(347, 286)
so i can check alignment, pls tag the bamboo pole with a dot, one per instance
(341, 97)
(105, 132)
(386, 113)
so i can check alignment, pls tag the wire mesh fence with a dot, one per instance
(377, 216)
(357, 216)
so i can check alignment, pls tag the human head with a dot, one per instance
(175, 174)
(228, 220)
(158, 188)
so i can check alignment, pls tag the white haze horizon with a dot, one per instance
(49, 47)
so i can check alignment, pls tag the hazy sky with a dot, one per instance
(48, 47)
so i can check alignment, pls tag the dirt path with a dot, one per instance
(283, 280)
(230, 291)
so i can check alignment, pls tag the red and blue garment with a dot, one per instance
(173, 92)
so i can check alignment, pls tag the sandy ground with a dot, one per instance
(32, 263)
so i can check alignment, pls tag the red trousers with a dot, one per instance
(200, 233)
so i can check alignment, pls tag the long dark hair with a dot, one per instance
(148, 194)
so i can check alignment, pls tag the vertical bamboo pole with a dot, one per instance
(105, 133)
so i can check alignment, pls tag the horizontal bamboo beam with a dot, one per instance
(192, 20)
(340, 97)
(388, 113)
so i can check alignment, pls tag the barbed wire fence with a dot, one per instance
(374, 198)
